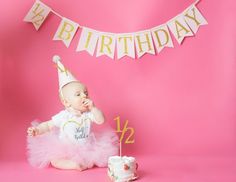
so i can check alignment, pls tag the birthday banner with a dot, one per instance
(133, 45)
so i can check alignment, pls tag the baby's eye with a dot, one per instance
(78, 94)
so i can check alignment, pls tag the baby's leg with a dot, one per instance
(66, 164)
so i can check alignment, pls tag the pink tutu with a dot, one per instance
(99, 146)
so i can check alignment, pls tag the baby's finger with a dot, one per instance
(29, 133)
(30, 128)
(86, 101)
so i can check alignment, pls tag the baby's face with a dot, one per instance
(75, 94)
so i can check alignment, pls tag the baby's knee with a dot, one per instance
(65, 164)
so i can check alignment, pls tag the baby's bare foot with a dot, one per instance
(81, 167)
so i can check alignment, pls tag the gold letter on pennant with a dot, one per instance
(143, 42)
(107, 45)
(161, 37)
(161, 44)
(179, 28)
(88, 39)
(193, 17)
(66, 30)
(125, 43)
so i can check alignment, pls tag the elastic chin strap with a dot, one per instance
(63, 98)
(61, 94)
(73, 111)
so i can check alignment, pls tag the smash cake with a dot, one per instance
(122, 168)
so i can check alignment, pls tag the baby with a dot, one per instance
(66, 141)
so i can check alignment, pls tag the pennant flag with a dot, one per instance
(106, 44)
(125, 45)
(143, 43)
(37, 14)
(88, 40)
(161, 37)
(179, 28)
(194, 18)
(66, 31)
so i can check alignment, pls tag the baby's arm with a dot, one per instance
(99, 118)
(98, 115)
(40, 129)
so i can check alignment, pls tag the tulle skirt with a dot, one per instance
(95, 151)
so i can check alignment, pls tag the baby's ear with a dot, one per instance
(64, 101)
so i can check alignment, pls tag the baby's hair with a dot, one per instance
(60, 90)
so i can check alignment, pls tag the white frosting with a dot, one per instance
(122, 169)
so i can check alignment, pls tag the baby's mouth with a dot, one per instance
(83, 103)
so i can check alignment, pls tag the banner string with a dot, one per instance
(56, 13)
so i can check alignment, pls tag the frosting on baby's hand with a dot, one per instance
(32, 131)
(88, 103)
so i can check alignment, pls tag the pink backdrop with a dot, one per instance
(181, 102)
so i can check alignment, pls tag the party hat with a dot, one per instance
(64, 75)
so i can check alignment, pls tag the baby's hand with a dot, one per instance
(32, 131)
(88, 103)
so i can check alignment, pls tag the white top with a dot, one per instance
(73, 128)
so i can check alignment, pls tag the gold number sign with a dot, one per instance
(124, 130)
